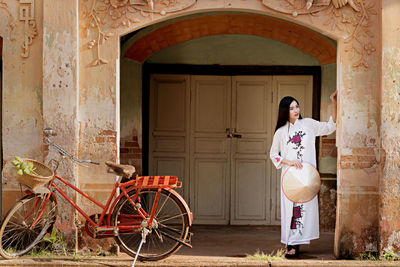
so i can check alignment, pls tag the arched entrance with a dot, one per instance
(242, 188)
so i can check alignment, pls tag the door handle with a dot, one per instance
(231, 133)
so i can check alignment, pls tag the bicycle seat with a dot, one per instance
(126, 171)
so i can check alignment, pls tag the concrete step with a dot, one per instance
(189, 261)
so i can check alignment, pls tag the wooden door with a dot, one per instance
(169, 128)
(210, 149)
(250, 168)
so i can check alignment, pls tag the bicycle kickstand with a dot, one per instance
(145, 232)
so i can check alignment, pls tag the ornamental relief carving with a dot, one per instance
(27, 15)
(96, 15)
(10, 22)
(354, 23)
(352, 18)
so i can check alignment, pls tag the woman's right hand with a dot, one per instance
(296, 164)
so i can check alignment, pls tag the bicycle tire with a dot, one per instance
(16, 239)
(155, 248)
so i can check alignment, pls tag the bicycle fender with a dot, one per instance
(185, 205)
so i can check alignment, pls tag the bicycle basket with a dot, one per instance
(45, 174)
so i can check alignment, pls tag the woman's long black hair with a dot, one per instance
(284, 108)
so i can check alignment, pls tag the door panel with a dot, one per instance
(250, 202)
(251, 198)
(301, 88)
(209, 172)
(210, 190)
(169, 128)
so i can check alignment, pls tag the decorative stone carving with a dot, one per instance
(301, 7)
(121, 13)
(27, 15)
(354, 23)
(11, 24)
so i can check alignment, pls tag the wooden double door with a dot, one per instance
(214, 133)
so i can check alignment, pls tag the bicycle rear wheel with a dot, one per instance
(171, 223)
(17, 237)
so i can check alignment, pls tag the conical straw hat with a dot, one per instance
(301, 185)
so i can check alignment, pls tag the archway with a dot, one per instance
(232, 28)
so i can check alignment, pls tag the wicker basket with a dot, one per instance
(45, 174)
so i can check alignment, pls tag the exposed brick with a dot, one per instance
(111, 139)
(364, 151)
(99, 139)
(344, 165)
(366, 158)
(108, 133)
(328, 141)
(131, 144)
(135, 150)
(133, 156)
(123, 150)
(348, 158)
(363, 165)
(184, 30)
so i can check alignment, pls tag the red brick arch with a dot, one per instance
(177, 32)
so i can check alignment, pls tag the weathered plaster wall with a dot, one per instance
(22, 106)
(389, 219)
(60, 94)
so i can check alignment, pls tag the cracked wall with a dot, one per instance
(390, 117)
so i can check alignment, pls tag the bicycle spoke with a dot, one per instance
(173, 217)
(165, 201)
(17, 234)
(167, 209)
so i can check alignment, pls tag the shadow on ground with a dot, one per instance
(239, 241)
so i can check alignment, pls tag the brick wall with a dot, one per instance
(328, 147)
(177, 32)
(328, 193)
(131, 153)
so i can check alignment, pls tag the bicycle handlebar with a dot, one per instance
(49, 132)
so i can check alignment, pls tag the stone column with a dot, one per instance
(358, 140)
(389, 214)
(60, 94)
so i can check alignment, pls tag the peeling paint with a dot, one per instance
(393, 243)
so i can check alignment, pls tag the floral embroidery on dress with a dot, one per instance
(277, 159)
(296, 223)
(296, 140)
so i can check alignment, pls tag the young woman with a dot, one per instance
(293, 143)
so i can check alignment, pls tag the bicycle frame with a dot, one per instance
(125, 189)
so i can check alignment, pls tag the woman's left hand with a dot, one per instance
(333, 97)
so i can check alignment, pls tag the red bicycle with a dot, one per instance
(147, 210)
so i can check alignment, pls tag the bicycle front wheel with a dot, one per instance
(171, 223)
(26, 224)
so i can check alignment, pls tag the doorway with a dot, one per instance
(214, 133)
